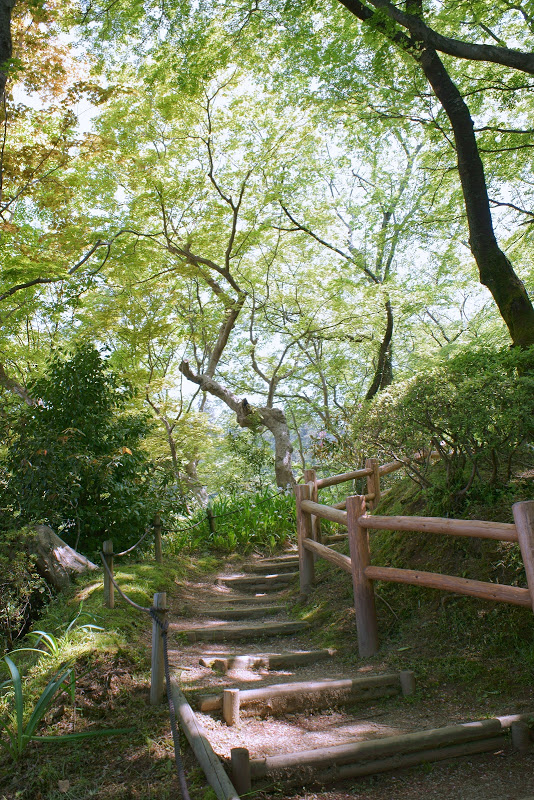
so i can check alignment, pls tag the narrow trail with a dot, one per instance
(235, 632)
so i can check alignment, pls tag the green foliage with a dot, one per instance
(241, 523)
(476, 409)
(22, 589)
(76, 460)
(18, 732)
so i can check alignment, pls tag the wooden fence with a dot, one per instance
(352, 514)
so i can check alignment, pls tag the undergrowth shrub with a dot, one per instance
(476, 409)
(241, 523)
(22, 590)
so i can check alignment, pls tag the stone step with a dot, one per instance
(229, 630)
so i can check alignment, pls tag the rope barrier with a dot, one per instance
(163, 626)
(124, 552)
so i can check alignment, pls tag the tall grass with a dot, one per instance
(242, 523)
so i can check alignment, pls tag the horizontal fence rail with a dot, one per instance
(358, 523)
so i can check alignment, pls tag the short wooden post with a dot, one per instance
(373, 482)
(157, 675)
(524, 523)
(230, 706)
(310, 477)
(211, 519)
(364, 595)
(157, 539)
(407, 682)
(306, 569)
(109, 589)
(520, 736)
(240, 769)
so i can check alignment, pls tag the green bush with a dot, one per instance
(476, 409)
(76, 459)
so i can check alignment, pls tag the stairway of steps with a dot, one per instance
(265, 695)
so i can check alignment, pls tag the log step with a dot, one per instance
(226, 661)
(314, 692)
(270, 568)
(239, 599)
(374, 749)
(257, 583)
(224, 631)
(241, 612)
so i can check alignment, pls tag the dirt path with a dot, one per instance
(227, 607)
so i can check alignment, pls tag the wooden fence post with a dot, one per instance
(157, 539)
(157, 674)
(310, 477)
(240, 768)
(304, 531)
(109, 589)
(364, 596)
(230, 706)
(211, 519)
(373, 482)
(524, 523)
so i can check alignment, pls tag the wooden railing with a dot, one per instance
(358, 523)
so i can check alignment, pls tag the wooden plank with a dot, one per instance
(356, 688)
(346, 476)
(199, 743)
(304, 532)
(328, 554)
(267, 660)
(377, 748)
(258, 583)
(479, 529)
(364, 597)
(325, 512)
(524, 520)
(450, 583)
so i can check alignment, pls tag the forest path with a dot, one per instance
(236, 631)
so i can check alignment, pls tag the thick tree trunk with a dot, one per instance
(495, 269)
(384, 366)
(6, 46)
(253, 417)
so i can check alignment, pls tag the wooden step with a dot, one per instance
(228, 599)
(270, 568)
(257, 583)
(228, 630)
(316, 693)
(226, 661)
(240, 612)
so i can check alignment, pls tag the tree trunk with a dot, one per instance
(384, 367)
(494, 268)
(253, 417)
(6, 46)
